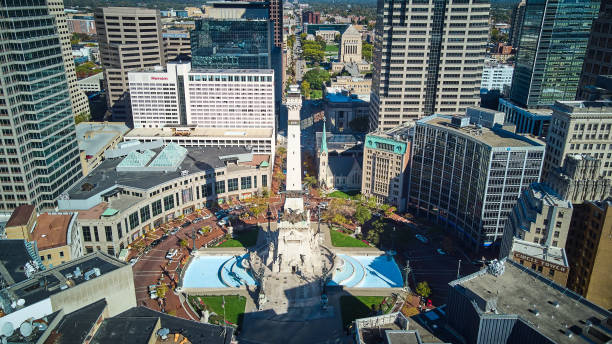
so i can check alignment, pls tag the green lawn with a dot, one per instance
(354, 194)
(355, 307)
(331, 48)
(247, 238)
(234, 307)
(342, 240)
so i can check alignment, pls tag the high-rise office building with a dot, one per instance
(276, 16)
(598, 59)
(589, 250)
(207, 98)
(129, 38)
(580, 127)
(551, 50)
(428, 57)
(516, 23)
(470, 176)
(234, 35)
(80, 103)
(39, 158)
(176, 42)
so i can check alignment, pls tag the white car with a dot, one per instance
(174, 230)
(422, 238)
(171, 253)
(206, 217)
(133, 261)
(222, 223)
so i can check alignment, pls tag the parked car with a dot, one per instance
(441, 251)
(133, 261)
(187, 223)
(164, 236)
(222, 222)
(422, 238)
(197, 219)
(206, 217)
(155, 242)
(174, 230)
(171, 253)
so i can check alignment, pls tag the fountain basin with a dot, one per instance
(217, 272)
(367, 272)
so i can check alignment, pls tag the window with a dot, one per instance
(61, 253)
(88, 249)
(108, 230)
(42, 257)
(86, 233)
(207, 190)
(264, 180)
(245, 183)
(168, 202)
(232, 184)
(145, 214)
(95, 230)
(556, 234)
(157, 207)
(110, 250)
(558, 225)
(551, 272)
(48, 256)
(220, 187)
(119, 231)
(134, 219)
(255, 182)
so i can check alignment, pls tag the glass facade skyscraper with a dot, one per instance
(551, 50)
(39, 156)
(232, 44)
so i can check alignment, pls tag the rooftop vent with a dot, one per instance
(535, 311)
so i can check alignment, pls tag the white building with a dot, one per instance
(91, 83)
(178, 95)
(495, 76)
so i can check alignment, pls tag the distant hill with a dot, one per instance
(161, 4)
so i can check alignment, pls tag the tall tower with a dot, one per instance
(130, 38)
(39, 158)
(552, 46)
(294, 199)
(428, 58)
(80, 103)
(323, 160)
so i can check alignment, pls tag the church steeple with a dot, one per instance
(324, 139)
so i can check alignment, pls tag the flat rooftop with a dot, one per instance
(51, 230)
(45, 283)
(93, 137)
(106, 176)
(550, 254)
(13, 256)
(491, 137)
(197, 132)
(520, 291)
(549, 196)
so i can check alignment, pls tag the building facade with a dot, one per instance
(496, 76)
(350, 46)
(342, 108)
(516, 23)
(428, 58)
(580, 179)
(527, 121)
(386, 163)
(40, 158)
(81, 24)
(234, 35)
(580, 127)
(176, 42)
(129, 38)
(80, 104)
(598, 59)
(145, 186)
(337, 171)
(355, 85)
(208, 98)
(311, 17)
(589, 251)
(546, 70)
(469, 177)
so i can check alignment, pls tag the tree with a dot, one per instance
(310, 180)
(183, 243)
(373, 237)
(305, 89)
(265, 193)
(337, 38)
(362, 214)
(161, 290)
(372, 203)
(366, 51)
(339, 219)
(321, 41)
(303, 36)
(317, 78)
(423, 289)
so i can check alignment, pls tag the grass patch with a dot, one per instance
(354, 194)
(234, 307)
(342, 240)
(243, 239)
(332, 48)
(355, 307)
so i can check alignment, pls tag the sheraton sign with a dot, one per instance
(159, 78)
(544, 263)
